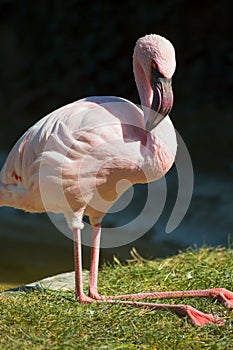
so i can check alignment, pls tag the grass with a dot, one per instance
(53, 320)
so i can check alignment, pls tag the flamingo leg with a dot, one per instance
(221, 294)
(80, 295)
(195, 316)
(95, 251)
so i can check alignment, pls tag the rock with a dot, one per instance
(63, 281)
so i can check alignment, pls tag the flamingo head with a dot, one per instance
(154, 65)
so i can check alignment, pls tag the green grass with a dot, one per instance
(53, 320)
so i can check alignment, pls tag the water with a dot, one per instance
(32, 248)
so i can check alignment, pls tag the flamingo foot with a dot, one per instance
(224, 296)
(196, 317)
(199, 318)
(93, 293)
(84, 299)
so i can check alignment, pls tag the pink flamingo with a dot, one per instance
(85, 148)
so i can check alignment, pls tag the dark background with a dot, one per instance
(55, 52)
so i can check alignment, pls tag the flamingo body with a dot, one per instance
(92, 143)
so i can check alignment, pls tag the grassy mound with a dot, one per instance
(53, 320)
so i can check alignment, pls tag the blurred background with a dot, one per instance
(55, 52)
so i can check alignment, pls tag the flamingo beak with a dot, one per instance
(162, 99)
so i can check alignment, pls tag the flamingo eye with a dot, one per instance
(154, 65)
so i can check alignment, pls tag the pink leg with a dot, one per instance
(93, 289)
(221, 294)
(196, 317)
(80, 296)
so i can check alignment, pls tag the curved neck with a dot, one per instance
(144, 87)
